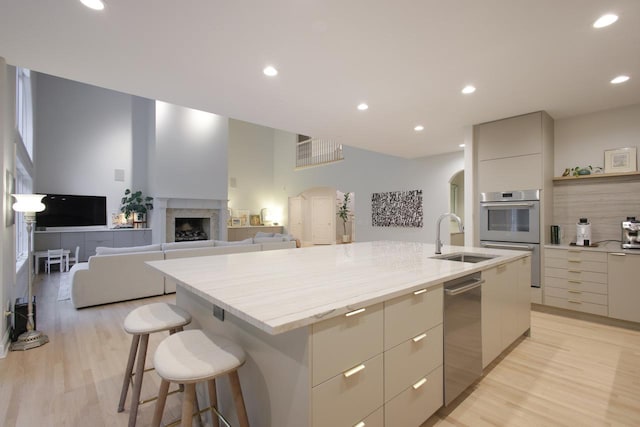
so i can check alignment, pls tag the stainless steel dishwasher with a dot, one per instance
(462, 334)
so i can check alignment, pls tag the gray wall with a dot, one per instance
(365, 172)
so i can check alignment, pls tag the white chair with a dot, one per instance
(75, 259)
(54, 256)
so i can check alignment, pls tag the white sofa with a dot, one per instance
(120, 274)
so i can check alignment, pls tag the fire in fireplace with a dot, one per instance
(190, 229)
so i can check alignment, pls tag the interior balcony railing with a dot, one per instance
(317, 151)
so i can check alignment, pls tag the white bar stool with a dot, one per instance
(141, 322)
(191, 357)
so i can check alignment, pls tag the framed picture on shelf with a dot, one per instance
(235, 222)
(255, 220)
(620, 160)
(243, 214)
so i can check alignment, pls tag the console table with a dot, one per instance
(235, 234)
(88, 240)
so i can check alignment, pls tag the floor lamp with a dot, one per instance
(29, 204)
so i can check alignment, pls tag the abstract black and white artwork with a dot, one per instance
(397, 209)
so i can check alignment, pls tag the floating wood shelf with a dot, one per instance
(595, 175)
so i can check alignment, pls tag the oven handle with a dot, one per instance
(506, 246)
(506, 205)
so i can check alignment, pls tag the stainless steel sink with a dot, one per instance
(464, 257)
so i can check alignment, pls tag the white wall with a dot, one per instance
(190, 154)
(365, 172)
(7, 160)
(581, 140)
(83, 133)
(251, 184)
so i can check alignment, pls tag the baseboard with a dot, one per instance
(5, 344)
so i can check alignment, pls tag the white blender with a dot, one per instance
(583, 232)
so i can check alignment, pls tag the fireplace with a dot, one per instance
(209, 216)
(191, 229)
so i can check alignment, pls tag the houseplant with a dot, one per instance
(343, 213)
(135, 203)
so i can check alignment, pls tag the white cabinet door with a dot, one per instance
(523, 297)
(624, 286)
(323, 221)
(491, 317)
(515, 136)
(515, 173)
(295, 217)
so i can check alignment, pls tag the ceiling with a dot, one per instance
(408, 60)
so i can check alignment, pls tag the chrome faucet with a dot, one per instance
(440, 218)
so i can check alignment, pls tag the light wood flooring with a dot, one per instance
(570, 372)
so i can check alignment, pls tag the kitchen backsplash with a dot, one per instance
(606, 202)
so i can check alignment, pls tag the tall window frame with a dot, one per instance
(24, 172)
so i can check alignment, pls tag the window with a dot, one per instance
(24, 154)
(23, 185)
(317, 151)
(24, 109)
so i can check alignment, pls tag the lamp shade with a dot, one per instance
(28, 202)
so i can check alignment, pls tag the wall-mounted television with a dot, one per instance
(66, 210)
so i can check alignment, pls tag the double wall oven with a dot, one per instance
(511, 220)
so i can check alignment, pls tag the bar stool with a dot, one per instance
(191, 357)
(141, 322)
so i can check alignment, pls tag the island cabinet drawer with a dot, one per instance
(575, 304)
(576, 264)
(576, 254)
(349, 397)
(339, 343)
(374, 420)
(577, 296)
(577, 285)
(418, 402)
(409, 315)
(407, 363)
(587, 276)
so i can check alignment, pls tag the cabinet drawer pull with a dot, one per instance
(574, 260)
(574, 301)
(574, 292)
(421, 291)
(360, 424)
(353, 371)
(420, 383)
(574, 281)
(420, 337)
(617, 254)
(574, 251)
(575, 271)
(354, 312)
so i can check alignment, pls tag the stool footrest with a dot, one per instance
(200, 412)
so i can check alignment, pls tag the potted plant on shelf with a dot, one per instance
(137, 204)
(343, 213)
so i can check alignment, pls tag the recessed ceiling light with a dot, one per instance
(418, 128)
(461, 145)
(93, 4)
(619, 79)
(270, 71)
(363, 106)
(605, 20)
(468, 89)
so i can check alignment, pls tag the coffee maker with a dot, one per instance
(583, 232)
(630, 228)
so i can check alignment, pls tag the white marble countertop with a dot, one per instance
(278, 291)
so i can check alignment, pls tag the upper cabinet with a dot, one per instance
(515, 136)
(515, 153)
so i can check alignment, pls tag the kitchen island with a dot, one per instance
(335, 335)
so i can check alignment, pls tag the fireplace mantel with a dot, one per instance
(167, 209)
